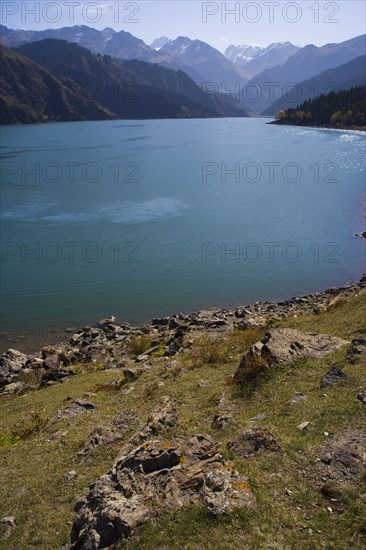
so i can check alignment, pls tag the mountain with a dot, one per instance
(178, 82)
(346, 108)
(108, 42)
(122, 45)
(268, 86)
(126, 93)
(160, 42)
(274, 54)
(343, 77)
(209, 63)
(243, 54)
(30, 93)
(256, 59)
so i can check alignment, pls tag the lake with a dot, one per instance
(149, 218)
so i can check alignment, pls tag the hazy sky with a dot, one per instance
(218, 23)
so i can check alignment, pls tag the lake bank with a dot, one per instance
(109, 344)
(320, 126)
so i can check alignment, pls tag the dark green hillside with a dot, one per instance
(345, 108)
(30, 93)
(122, 91)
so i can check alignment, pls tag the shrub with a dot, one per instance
(138, 345)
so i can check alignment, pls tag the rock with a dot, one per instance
(203, 383)
(333, 376)
(58, 436)
(70, 476)
(78, 406)
(11, 364)
(105, 435)
(8, 521)
(332, 491)
(303, 426)
(15, 388)
(51, 362)
(49, 351)
(254, 321)
(83, 404)
(357, 350)
(163, 417)
(335, 302)
(297, 397)
(131, 374)
(362, 397)
(126, 391)
(161, 322)
(252, 441)
(220, 421)
(20, 491)
(344, 456)
(109, 321)
(260, 416)
(285, 345)
(35, 364)
(157, 477)
(56, 376)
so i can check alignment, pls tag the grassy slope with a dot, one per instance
(279, 520)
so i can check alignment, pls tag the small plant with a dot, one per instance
(139, 345)
(8, 440)
(160, 351)
(211, 351)
(251, 370)
(151, 389)
(114, 385)
(30, 426)
(273, 322)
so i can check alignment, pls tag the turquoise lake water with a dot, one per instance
(148, 218)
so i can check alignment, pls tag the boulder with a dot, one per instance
(285, 345)
(51, 362)
(344, 456)
(333, 376)
(105, 435)
(253, 440)
(297, 397)
(357, 350)
(108, 321)
(78, 406)
(11, 363)
(163, 417)
(157, 477)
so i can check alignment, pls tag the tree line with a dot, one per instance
(344, 108)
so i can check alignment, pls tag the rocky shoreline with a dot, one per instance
(113, 345)
(317, 126)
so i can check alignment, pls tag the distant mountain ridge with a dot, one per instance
(255, 59)
(343, 77)
(124, 45)
(160, 42)
(129, 91)
(211, 64)
(268, 86)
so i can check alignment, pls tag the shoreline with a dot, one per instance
(31, 345)
(320, 126)
(108, 343)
